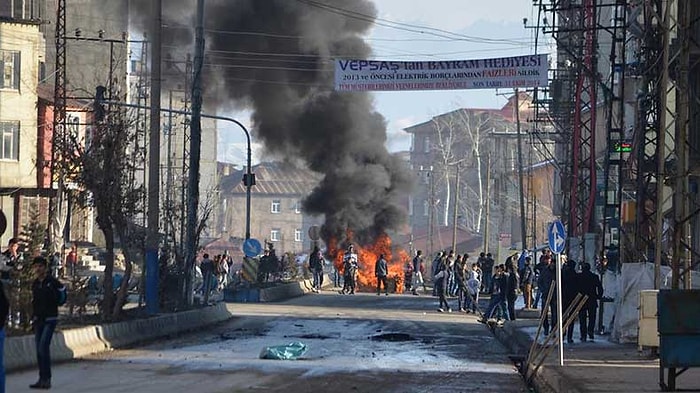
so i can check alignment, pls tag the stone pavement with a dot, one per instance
(600, 366)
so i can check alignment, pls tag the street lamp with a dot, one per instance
(248, 179)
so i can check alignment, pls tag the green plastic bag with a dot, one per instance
(291, 351)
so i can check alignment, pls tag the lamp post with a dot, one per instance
(249, 175)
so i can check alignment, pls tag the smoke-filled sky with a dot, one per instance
(273, 58)
(276, 61)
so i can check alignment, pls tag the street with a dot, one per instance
(358, 343)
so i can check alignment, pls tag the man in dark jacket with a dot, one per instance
(569, 289)
(381, 271)
(512, 284)
(589, 284)
(4, 311)
(316, 266)
(45, 297)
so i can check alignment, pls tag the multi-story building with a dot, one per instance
(21, 52)
(276, 214)
(482, 144)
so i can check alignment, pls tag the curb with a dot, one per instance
(20, 352)
(547, 379)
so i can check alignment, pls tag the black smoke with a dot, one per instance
(276, 58)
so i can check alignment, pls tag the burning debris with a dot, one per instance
(368, 255)
(275, 57)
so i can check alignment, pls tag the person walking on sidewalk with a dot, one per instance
(589, 284)
(46, 291)
(381, 272)
(4, 312)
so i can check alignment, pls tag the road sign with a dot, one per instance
(314, 232)
(250, 269)
(252, 247)
(557, 237)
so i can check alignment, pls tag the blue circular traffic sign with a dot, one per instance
(252, 248)
(557, 237)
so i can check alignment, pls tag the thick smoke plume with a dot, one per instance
(275, 57)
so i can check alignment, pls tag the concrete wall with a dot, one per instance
(20, 352)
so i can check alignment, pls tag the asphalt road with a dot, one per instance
(358, 343)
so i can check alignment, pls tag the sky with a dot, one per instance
(493, 19)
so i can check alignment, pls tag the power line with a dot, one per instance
(403, 26)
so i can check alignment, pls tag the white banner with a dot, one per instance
(497, 73)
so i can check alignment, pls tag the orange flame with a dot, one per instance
(368, 256)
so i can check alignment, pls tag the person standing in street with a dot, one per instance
(350, 266)
(512, 285)
(441, 288)
(46, 291)
(381, 272)
(569, 289)
(527, 278)
(589, 284)
(316, 266)
(487, 272)
(4, 312)
(207, 267)
(418, 268)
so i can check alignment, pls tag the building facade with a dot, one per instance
(21, 51)
(276, 214)
(482, 145)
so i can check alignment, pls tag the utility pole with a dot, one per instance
(455, 211)
(152, 234)
(488, 203)
(431, 203)
(523, 226)
(59, 125)
(195, 147)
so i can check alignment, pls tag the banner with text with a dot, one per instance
(497, 73)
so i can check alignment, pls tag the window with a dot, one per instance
(410, 205)
(276, 206)
(297, 207)
(413, 142)
(297, 235)
(426, 144)
(9, 140)
(10, 65)
(275, 235)
(426, 208)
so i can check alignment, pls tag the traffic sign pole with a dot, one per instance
(560, 324)
(557, 243)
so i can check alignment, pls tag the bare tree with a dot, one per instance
(459, 136)
(100, 166)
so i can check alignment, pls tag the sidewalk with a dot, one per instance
(596, 367)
